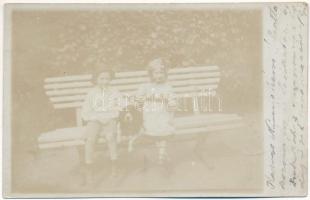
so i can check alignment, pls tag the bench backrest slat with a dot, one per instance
(68, 85)
(171, 71)
(85, 77)
(77, 104)
(171, 78)
(65, 92)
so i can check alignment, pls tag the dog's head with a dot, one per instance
(129, 114)
(130, 119)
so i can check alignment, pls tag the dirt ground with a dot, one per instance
(227, 161)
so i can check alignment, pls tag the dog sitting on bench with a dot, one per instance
(131, 123)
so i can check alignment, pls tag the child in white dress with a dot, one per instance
(158, 102)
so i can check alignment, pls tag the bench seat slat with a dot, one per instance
(180, 134)
(76, 135)
(71, 133)
(61, 144)
(210, 128)
(204, 119)
(195, 125)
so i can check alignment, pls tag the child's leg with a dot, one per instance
(162, 151)
(92, 130)
(110, 132)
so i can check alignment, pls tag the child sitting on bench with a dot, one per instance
(100, 110)
(158, 104)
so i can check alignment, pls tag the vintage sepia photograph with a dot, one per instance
(135, 99)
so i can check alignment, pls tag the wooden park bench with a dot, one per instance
(191, 83)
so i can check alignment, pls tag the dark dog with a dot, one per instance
(131, 123)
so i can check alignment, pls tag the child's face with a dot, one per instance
(104, 79)
(158, 73)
